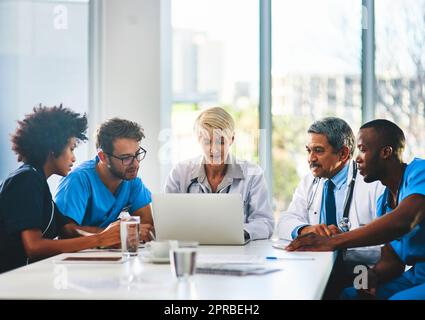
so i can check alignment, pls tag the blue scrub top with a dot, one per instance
(84, 198)
(410, 247)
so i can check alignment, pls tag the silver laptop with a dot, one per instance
(209, 218)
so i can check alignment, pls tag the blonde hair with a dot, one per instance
(215, 119)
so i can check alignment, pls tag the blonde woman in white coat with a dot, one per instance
(217, 171)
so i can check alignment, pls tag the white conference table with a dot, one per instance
(139, 279)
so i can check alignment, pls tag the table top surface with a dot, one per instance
(138, 278)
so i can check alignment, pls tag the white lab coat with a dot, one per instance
(243, 177)
(305, 209)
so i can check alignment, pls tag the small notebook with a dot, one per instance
(91, 260)
(234, 269)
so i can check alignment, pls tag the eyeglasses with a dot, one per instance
(126, 161)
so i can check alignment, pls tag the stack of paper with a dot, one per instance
(234, 269)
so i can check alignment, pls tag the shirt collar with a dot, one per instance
(340, 179)
(39, 170)
(234, 170)
(385, 201)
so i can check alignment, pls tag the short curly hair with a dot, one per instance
(389, 134)
(46, 130)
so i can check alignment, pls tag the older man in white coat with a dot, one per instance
(333, 198)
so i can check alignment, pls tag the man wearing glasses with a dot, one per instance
(95, 193)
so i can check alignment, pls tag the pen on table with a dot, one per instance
(152, 235)
(289, 258)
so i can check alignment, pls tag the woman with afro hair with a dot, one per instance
(29, 219)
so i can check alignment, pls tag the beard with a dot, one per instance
(120, 174)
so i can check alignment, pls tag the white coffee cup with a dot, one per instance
(161, 249)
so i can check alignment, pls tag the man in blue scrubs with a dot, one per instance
(94, 194)
(401, 225)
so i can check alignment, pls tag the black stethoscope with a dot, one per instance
(52, 213)
(344, 224)
(195, 180)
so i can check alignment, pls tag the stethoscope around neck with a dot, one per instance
(52, 213)
(195, 181)
(344, 224)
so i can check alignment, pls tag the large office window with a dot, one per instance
(215, 63)
(400, 68)
(43, 60)
(316, 68)
(316, 71)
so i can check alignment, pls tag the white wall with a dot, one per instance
(41, 61)
(127, 45)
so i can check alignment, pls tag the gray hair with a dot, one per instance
(337, 131)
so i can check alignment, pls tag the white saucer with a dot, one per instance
(148, 258)
(159, 260)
